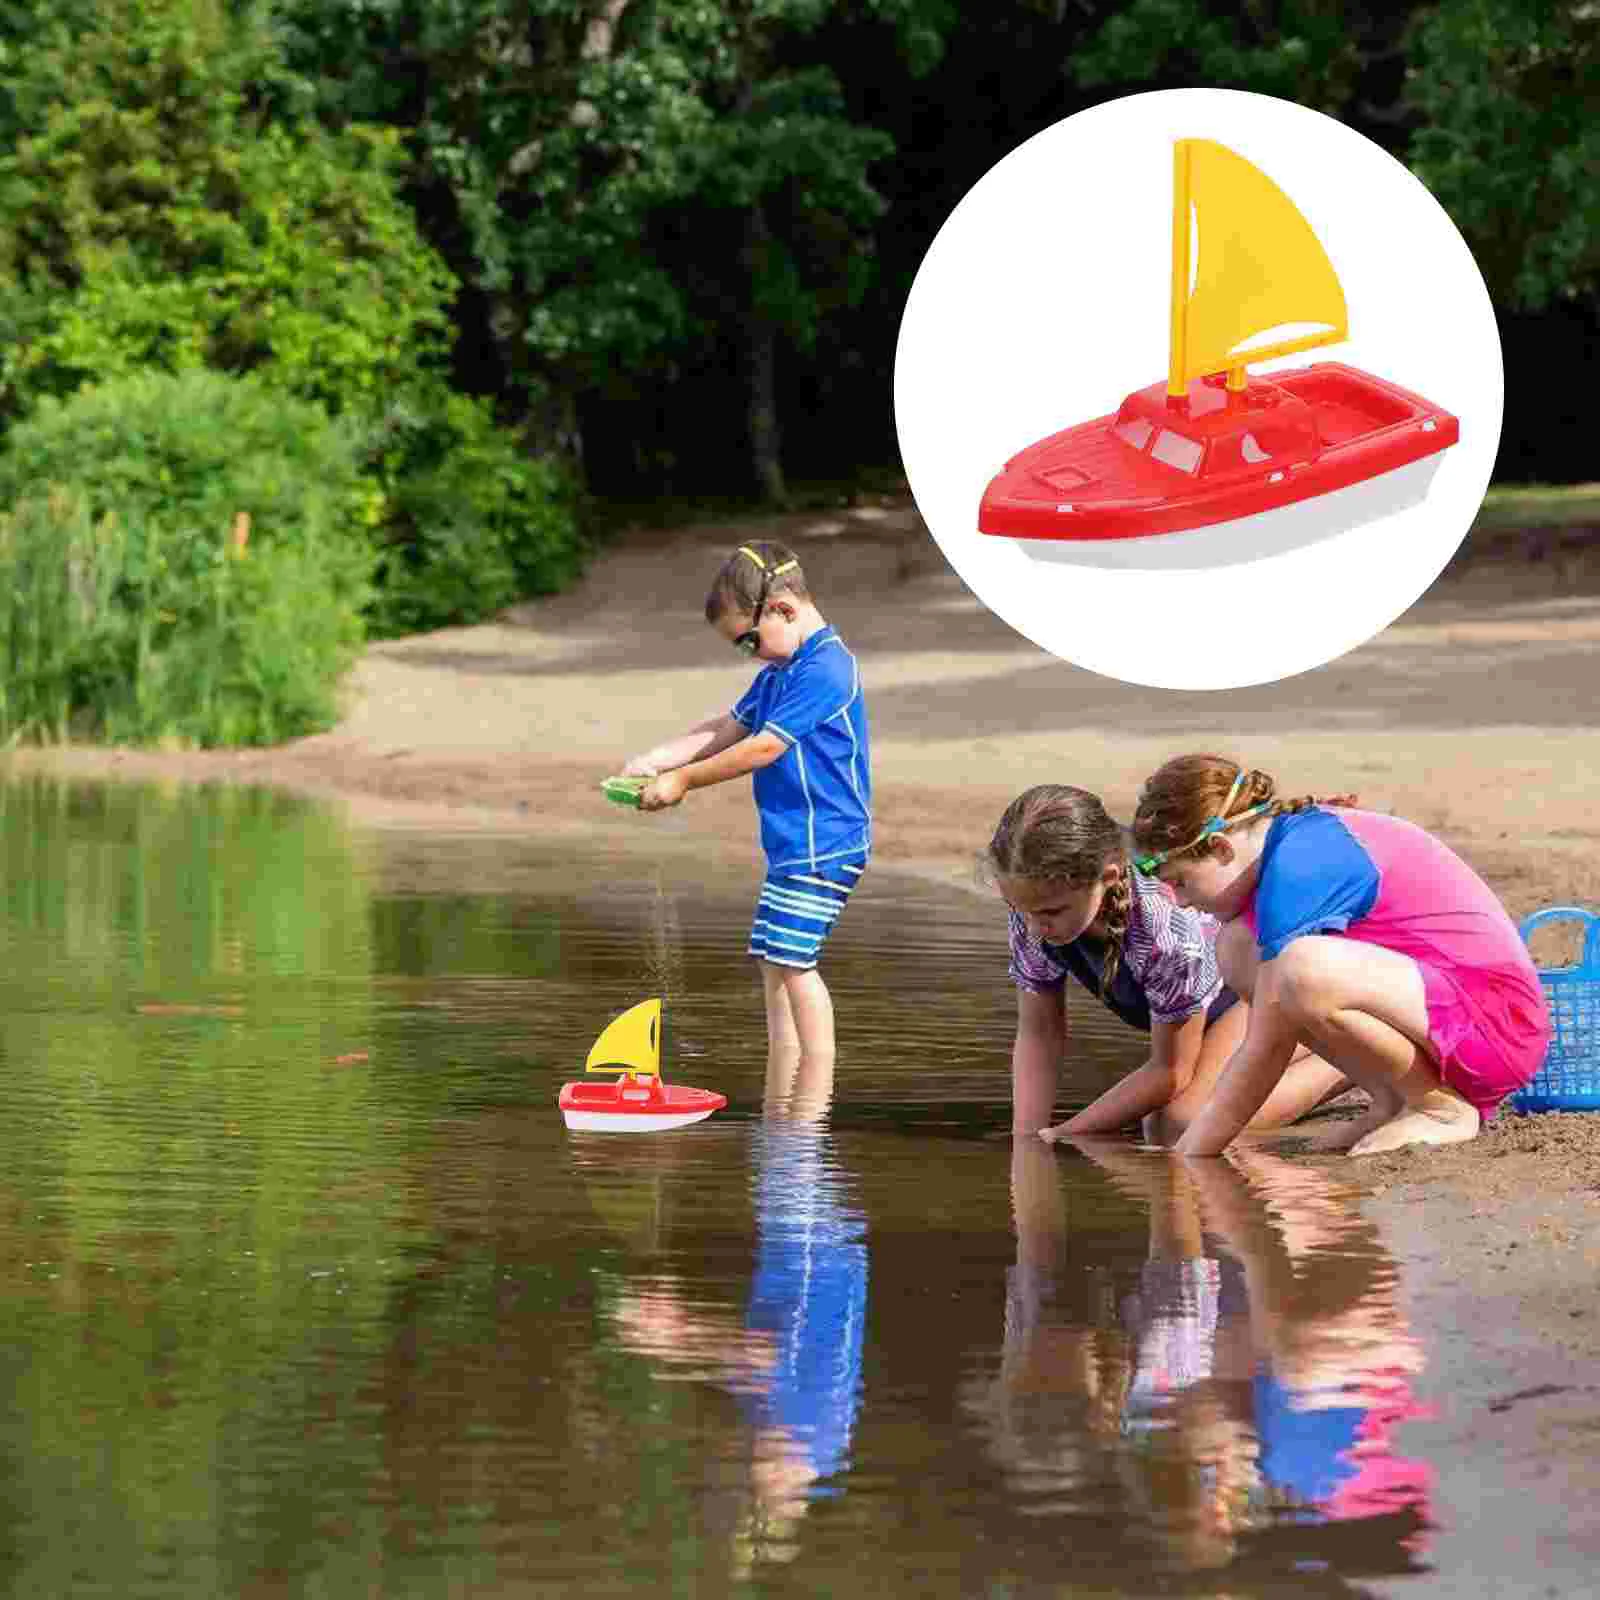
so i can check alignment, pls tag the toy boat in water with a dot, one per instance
(1214, 443)
(638, 1102)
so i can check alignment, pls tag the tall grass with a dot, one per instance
(183, 559)
(156, 631)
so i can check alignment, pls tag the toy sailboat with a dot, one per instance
(1214, 443)
(638, 1102)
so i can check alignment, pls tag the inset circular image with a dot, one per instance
(1198, 389)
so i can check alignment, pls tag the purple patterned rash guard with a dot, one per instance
(1169, 960)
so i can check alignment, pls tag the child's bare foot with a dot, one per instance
(1441, 1118)
(1347, 1134)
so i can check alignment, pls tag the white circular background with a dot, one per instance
(1044, 300)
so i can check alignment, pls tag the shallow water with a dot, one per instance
(310, 1292)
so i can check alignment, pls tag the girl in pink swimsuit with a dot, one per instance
(1358, 935)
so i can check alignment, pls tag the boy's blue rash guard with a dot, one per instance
(1316, 877)
(815, 800)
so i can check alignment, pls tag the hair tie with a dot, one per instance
(1220, 823)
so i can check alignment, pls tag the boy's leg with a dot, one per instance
(795, 915)
(1364, 1009)
(812, 1007)
(799, 1044)
(783, 1039)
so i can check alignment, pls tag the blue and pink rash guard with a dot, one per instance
(1387, 882)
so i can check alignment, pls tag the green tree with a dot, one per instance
(150, 217)
(585, 155)
(1509, 91)
(1312, 51)
(1491, 102)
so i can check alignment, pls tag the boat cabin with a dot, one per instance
(1211, 433)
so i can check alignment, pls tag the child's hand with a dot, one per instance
(666, 790)
(639, 767)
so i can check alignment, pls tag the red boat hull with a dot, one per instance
(1166, 465)
(631, 1106)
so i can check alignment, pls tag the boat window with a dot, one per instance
(1252, 451)
(1135, 431)
(1176, 451)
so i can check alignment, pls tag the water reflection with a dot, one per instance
(794, 1360)
(307, 1288)
(1241, 1384)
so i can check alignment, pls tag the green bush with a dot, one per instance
(472, 521)
(130, 610)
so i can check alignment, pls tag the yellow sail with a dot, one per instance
(1259, 267)
(629, 1043)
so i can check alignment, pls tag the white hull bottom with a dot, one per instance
(1267, 533)
(632, 1121)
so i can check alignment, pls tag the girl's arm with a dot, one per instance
(1252, 1072)
(703, 739)
(1174, 1053)
(1036, 1059)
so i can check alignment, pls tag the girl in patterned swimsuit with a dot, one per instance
(1078, 908)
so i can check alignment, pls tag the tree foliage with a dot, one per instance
(1491, 102)
(150, 218)
(1509, 141)
(600, 158)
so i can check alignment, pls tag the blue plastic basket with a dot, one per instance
(1569, 1080)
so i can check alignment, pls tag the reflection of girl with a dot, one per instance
(1051, 1412)
(1335, 1360)
(1191, 1453)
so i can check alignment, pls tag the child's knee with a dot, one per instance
(775, 975)
(1301, 988)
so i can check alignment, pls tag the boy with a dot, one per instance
(801, 729)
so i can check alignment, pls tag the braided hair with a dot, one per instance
(1179, 798)
(1055, 833)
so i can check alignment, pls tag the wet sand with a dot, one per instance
(1475, 715)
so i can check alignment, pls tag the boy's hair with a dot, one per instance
(737, 587)
(1181, 797)
(1055, 833)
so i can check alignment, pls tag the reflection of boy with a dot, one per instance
(809, 1293)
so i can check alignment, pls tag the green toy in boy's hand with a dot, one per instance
(624, 791)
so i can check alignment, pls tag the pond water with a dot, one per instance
(308, 1290)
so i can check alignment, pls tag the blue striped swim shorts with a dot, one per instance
(797, 911)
